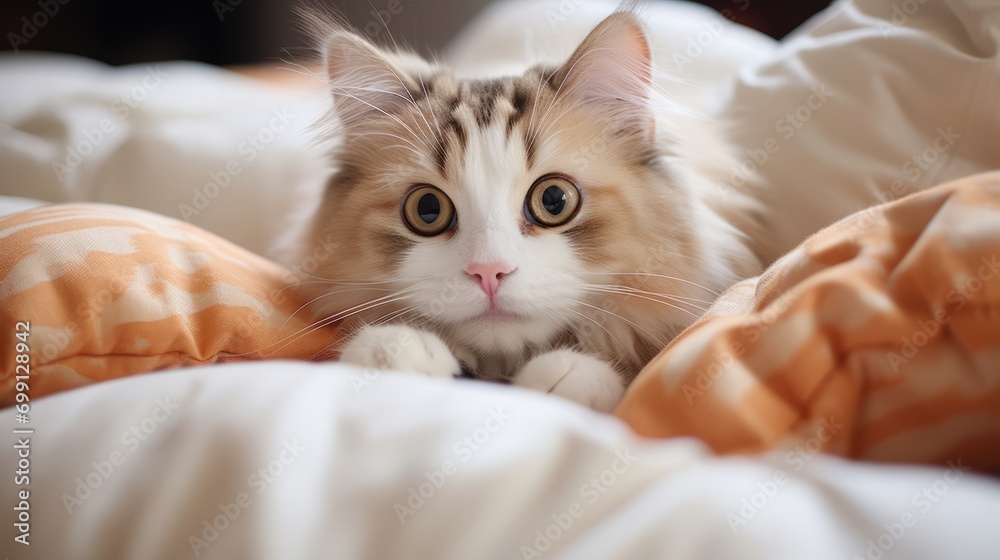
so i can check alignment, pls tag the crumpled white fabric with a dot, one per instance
(182, 139)
(697, 51)
(869, 101)
(504, 473)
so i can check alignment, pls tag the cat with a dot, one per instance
(548, 229)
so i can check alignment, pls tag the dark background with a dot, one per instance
(231, 32)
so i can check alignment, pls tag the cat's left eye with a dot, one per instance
(552, 201)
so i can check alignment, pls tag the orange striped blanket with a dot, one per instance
(877, 338)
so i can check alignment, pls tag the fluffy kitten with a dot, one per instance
(546, 229)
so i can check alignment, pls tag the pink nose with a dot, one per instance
(488, 275)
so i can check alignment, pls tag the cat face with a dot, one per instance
(520, 216)
(507, 214)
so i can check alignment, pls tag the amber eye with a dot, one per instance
(552, 201)
(428, 211)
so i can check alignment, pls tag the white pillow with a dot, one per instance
(697, 51)
(867, 102)
(186, 140)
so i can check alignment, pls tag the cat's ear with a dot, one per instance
(363, 79)
(613, 66)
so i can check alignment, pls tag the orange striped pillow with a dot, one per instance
(106, 291)
(877, 338)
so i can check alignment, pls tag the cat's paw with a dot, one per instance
(400, 348)
(575, 376)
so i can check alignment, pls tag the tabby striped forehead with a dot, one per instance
(466, 107)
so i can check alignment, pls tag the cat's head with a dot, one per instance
(508, 213)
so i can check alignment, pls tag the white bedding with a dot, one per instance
(365, 446)
(187, 140)
(353, 451)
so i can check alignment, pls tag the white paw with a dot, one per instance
(577, 377)
(400, 348)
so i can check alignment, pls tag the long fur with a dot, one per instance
(657, 236)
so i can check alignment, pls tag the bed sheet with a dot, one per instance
(291, 460)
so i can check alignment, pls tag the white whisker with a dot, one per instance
(659, 294)
(651, 335)
(695, 315)
(685, 281)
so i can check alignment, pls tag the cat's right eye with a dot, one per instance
(428, 211)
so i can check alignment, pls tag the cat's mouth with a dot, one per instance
(494, 313)
(501, 329)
